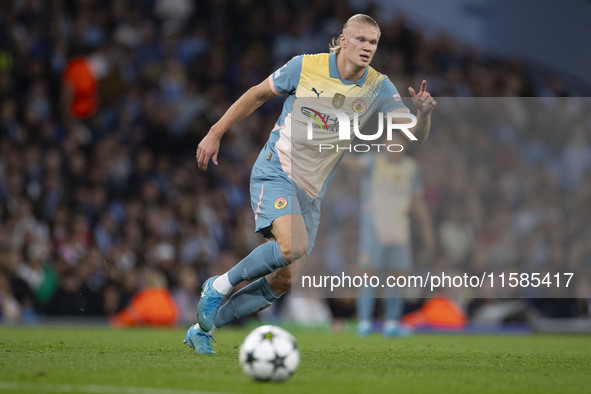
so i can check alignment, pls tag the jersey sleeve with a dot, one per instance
(286, 79)
(390, 99)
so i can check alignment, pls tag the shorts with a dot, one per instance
(376, 255)
(274, 194)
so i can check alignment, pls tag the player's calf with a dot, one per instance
(280, 280)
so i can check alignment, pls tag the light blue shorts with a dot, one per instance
(377, 256)
(274, 194)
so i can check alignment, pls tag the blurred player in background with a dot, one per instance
(391, 191)
(289, 178)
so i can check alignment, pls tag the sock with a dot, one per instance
(246, 301)
(366, 301)
(262, 261)
(393, 304)
(222, 284)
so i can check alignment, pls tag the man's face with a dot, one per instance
(359, 43)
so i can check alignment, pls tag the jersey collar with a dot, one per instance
(334, 72)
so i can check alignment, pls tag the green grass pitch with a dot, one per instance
(150, 361)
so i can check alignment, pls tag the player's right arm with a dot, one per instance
(247, 103)
(283, 81)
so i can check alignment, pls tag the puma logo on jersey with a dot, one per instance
(317, 93)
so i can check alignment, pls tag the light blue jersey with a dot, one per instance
(289, 165)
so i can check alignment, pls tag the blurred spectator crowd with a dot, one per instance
(86, 205)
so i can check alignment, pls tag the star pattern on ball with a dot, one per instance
(278, 362)
(250, 358)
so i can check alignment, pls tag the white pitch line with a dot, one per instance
(92, 388)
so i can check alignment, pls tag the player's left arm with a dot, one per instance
(425, 104)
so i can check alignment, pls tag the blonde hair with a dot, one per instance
(335, 44)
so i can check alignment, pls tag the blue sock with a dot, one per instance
(248, 300)
(393, 303)
(262, 261)
(366, 300)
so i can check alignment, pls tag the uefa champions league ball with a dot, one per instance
(269, 353)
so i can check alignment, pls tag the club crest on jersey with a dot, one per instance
(359, 106)
(280, 203)
(338, 100)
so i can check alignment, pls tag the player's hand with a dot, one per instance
(207, 149)
(422, 100)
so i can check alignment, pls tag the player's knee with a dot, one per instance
(294, 250)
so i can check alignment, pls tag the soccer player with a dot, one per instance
(290, 176)
(390, 191)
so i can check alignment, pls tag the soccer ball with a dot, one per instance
(269, 353)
